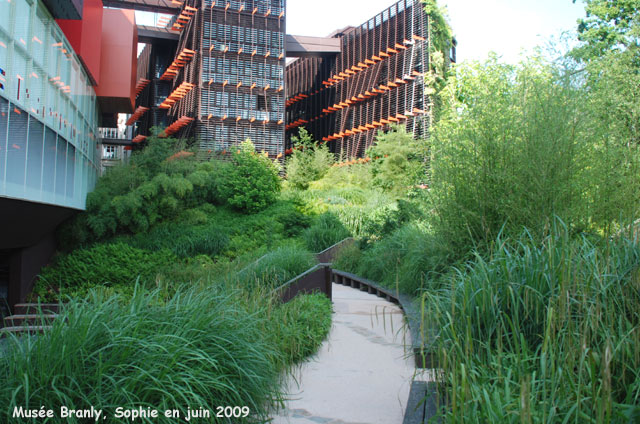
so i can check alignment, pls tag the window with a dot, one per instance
(263, 102)
(109, 152)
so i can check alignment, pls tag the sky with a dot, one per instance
(480, 26)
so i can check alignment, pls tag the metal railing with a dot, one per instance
(113, 133)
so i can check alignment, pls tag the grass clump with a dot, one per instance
(553, 323)
(183, 240)
(408, 259)
(275, 268)
(117, 266)
(300, 326)
(199, 347)
(325, 231)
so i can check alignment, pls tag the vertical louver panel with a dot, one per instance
(17, 151)
(34, 156)
(61, 168)
(49, 164)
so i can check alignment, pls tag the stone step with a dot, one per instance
(30, 319)
(32, 329)
(36, 308)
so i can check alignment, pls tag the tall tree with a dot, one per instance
(609, 25)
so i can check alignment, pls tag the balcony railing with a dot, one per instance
(113, 133)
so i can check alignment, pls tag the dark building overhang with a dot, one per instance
(65, 9)
(303, 46)
(157, 6)
(24, 223)
(148, 34)
(116, 142)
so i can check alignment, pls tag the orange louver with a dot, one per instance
(177, 95)
(176, 126)
(140, 110)
(183, 58)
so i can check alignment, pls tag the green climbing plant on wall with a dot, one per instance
(440, 42)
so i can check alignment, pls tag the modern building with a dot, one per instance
(217, 72)
(222, 81)
(377, 80)
(66, 66)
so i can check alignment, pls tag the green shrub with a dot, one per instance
(294, 223)
(115, 265)
(198, 349)
(398, 161)
(309, 162)
(133, 197)
(541, 332)
(326, 231)
(250, 182)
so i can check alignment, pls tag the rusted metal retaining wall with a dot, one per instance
(329, 255)
(315, 280)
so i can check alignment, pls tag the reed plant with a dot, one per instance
(541, 332)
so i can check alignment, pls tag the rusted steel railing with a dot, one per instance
(315, 280)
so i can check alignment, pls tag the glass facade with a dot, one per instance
(48, 111)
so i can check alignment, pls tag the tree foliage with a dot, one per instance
(309, 162)
(154, 186)
(609, 25)
(518, 145)
(399, 161)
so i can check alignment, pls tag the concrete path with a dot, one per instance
(362, 373)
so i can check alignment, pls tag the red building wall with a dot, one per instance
(118, 61)
(85, 36)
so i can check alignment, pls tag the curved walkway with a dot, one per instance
(362, 373)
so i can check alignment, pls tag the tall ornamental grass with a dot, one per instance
(542, 332)
(197, 349)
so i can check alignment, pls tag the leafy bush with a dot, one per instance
(200, 347)
(115, 265)
(294, 223)
(250, 182)
(309, 162)
(133, 197)
(326, 231)
(543, 332)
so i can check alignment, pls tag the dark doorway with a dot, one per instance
(4, 284)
